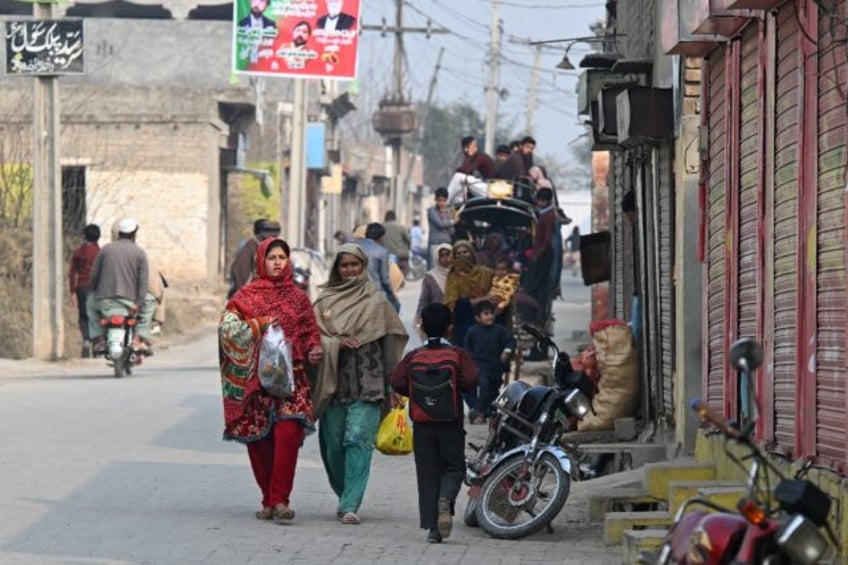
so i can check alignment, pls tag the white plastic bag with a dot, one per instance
(275, 363)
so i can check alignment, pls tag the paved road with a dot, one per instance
(106, 471)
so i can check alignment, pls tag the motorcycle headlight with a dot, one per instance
(800, 538)
(577, 403)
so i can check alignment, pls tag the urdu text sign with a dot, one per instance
(44, 47)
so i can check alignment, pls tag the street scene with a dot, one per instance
(135, 471)
(358, 281)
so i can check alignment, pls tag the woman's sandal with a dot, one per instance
(266, 513)
(283, 512)
(350, 518)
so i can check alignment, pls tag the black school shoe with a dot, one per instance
(434, 537)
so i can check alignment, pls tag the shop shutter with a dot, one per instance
(831, 421)
(664, 183)
(715, 283)
(749, 206)
(628, 243)
(787, 138)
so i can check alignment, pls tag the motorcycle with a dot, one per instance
(119, 352)
(771, 527)
(520, 478)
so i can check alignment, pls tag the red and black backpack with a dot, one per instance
(433, 386)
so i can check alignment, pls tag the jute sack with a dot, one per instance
(618, 387)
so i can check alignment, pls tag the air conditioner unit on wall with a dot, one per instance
(645, 115)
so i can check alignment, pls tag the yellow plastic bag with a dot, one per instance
(394, 436)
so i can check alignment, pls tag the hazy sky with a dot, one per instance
(464, 73)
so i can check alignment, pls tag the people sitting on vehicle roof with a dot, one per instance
(501, 155)
(519, 162)
(476, 166)
(539, 178)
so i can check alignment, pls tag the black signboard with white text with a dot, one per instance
(44, 47)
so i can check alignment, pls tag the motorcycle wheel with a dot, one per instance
(118, 366)
(470, 516)
(501, 511)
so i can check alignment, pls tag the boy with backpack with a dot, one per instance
(434, 376)
(490, 346)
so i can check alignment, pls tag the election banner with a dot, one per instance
(296, 38)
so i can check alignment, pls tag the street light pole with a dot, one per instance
(48, 335)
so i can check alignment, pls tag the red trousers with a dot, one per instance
(273, 459)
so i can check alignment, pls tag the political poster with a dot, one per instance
(296, 38)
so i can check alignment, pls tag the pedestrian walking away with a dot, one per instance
(363, 340)
(272, 427)
(438, 435)
(79, 275)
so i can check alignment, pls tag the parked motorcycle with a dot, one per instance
(119, 352)
(771, 527)
(520, 477)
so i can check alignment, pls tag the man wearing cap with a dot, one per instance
(243, 267)
(118, 282)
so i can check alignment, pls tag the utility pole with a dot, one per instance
(418, 135)
(48, 335)
(297, 168)
(493, 90)
(397, 110)
(534, 86)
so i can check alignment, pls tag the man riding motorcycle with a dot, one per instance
(119, 281)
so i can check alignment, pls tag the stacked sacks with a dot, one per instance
(618, 384)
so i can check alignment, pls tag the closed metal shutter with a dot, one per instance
(628, 243)
(664, 182)
(831, 303)
(787, 138)
(749, 206)
(715, 283)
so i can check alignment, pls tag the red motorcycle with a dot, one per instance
(772, 527)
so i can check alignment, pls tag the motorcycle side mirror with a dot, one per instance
(745, 354)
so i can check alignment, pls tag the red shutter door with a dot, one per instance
(715, 255)
(664, 183)
(787, 138)
(831, 304)
(749, 211)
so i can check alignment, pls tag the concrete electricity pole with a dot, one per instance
(394, 140)
(493, 89)
(48, 335)
(418, 135)
(531, 93)
(297, 168)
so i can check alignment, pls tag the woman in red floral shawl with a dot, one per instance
(273, 428)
